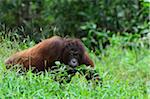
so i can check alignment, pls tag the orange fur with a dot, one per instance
(44, 54)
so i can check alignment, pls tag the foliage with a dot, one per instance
(43, 18)
(106, 14)
(25, 17)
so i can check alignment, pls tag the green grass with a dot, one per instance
(125, 73)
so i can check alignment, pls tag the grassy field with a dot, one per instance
(125, 73)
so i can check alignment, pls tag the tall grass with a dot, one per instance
(125, 74)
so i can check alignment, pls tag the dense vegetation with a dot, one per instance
(93, 19)
(116, 34)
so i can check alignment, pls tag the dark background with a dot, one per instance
(95, 21)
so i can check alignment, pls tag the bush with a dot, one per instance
(43, 18)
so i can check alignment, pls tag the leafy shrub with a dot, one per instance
(81, 18)
(117, 16)
(25, 17)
